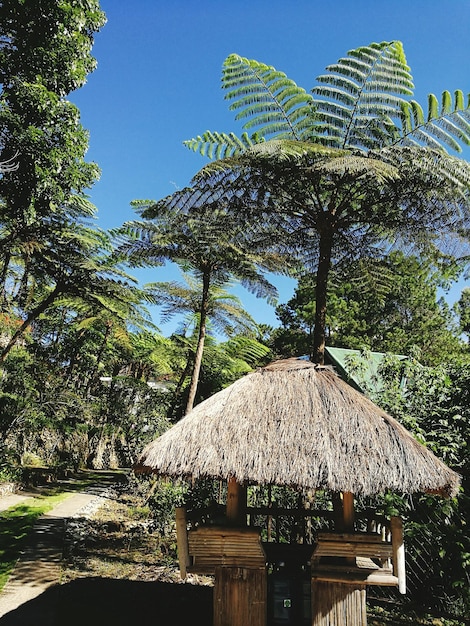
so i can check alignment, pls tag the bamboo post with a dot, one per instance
(182, 540)
(336, 604)
(398, 548)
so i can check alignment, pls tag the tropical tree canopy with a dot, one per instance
(344, 172)
(215, 249)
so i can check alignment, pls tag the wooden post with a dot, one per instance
(182, 540)
(236, 503)
(337, 604)
(398, 548)
(240, 596)
(348, 511)
(348, 518)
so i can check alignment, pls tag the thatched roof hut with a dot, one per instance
(297, 424)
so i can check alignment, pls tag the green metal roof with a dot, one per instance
(366, 375)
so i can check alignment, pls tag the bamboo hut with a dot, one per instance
(296, 424)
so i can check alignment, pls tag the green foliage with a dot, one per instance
(163, 497)
(382, 305)
(448, 126)
(224, 363)
(46, 248)
(225, 312)
(215, 248)
(360, 95)
(221, 145)
(434, 405)
(55, 36)
(362, 101)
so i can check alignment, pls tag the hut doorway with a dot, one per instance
(289, 598)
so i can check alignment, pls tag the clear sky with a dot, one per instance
(158, 82)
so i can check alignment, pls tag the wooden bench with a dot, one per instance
(352, 545)
(360, 558)
(202, 550)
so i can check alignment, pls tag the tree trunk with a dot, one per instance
(200, 342)
(94, 373)
(3, 277)
(179, 386)
(324, 263)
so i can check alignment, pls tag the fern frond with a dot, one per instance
(370, 82)
(221, 145)
(447, 126)
(256, 89)
(358, 166)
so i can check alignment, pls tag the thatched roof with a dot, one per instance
(294, 423)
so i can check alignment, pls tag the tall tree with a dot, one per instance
(336, 174)
(205, 304)
(215, 248)
(390, 306)
(45, 53)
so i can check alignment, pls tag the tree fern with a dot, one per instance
(343, 172)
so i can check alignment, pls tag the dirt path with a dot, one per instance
(39, 566)
(34, 597)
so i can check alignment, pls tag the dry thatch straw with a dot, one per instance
(294, 423)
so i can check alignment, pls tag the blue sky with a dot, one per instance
(158, 82)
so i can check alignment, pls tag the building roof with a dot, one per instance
(298, 424)
(367, 375)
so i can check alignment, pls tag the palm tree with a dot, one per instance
(338, 174)
(205, 304)
(214, 247)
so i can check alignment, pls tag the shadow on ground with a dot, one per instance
(103, 602)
